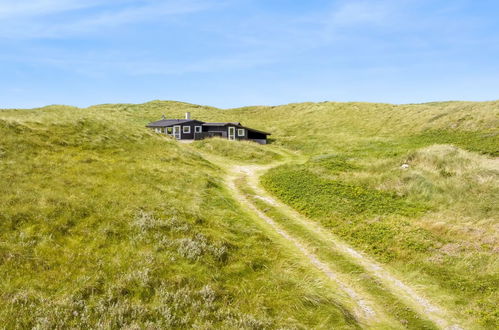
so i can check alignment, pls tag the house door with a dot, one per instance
(232, 133)
(176, 132)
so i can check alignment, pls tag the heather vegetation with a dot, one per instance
(106, 224)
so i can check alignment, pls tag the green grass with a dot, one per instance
(240, 151)
(319, 197)
(434, 221)
(106, 223)
(479, 141)
(403, 316)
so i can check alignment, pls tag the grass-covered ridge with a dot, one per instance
(105, 224)
(320, 128)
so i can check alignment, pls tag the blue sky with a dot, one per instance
(231, 53)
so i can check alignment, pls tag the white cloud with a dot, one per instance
(134, 14)
(204, 65)
(331, 25)
(12, 9)
(362, 12)
(104, 64)
(29, 19)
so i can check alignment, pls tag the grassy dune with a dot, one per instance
(436, 221)
(104, 223)
(317, 128)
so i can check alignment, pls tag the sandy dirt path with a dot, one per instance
(364, 311)
(364, 308)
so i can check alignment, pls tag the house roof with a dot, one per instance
(172, 122)
(238, 125)
(169, 122)
(221, 124)
(255, 130)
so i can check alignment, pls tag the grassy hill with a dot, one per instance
(104, 223)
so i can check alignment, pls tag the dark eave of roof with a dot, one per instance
(170, 122)
(221, 124)
(255, 130)
(238, 125)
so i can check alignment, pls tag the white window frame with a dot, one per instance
(167, 129)
(186, 129)
(198, 129)
(177, 132)
(231, 133)
(239, 130)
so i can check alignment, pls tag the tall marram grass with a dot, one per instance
(435, 221)
(240, 151)
(104, 224)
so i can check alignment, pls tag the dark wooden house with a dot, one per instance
(191, 129)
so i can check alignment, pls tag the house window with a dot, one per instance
(232, 133)
(169, 130)
(186, 129)
(197, 129)
(240, 132)
(157, 130)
